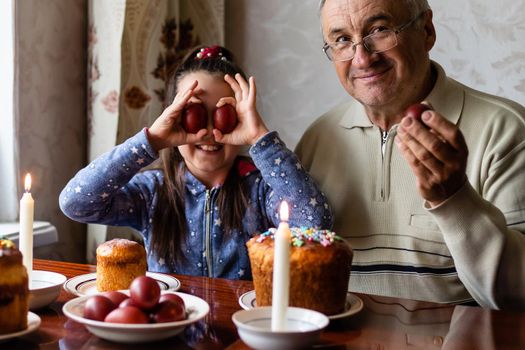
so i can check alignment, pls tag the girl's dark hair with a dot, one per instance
(169, 231)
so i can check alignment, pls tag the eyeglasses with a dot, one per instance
(374, 43)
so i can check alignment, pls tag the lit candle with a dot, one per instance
(281, 271)
(26, 227)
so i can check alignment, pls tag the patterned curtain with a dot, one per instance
(133, 46)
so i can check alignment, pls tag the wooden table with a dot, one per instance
(384, 323)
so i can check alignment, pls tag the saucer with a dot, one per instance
(354, 304)
(303, 328)
(45, 288)
(87, 284)
(33, 322)
(196, 307)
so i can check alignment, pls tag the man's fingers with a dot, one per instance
(445, 129)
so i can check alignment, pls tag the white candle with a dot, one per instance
(281, 271)
(25, 242)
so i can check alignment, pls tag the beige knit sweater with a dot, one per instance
(470, 247)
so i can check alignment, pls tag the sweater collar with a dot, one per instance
(446, 97)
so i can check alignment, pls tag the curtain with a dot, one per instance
(43, 116)
(8, 172)
(132, 47)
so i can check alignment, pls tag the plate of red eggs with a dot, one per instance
(141, 314)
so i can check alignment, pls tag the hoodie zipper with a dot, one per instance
(208, 213)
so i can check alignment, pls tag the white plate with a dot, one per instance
(196, 308)
(87, 284)
(45, 288)
(354, 304)
(33, 322)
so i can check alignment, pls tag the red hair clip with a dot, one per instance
(210, 52)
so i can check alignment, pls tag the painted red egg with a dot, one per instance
(194, 118)
(98, 307)
(416, 110)
(144, 292)
(225, 118)
(129, 314)
(168, 311)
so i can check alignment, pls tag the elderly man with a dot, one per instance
(425, 221)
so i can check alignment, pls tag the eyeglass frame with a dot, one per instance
(327, 46)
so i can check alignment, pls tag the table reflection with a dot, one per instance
(384, 323)
(392, 323)
(483, 329)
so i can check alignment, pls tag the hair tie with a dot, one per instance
(210, 52)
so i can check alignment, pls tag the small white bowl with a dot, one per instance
(303, 328)
(45, 288)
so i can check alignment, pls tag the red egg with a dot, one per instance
(194, 118)
(145, 292)
(115, 297)
(98, 307)
(168, 311)
(172, 297)
(225, 118)
(416, 110)
(127, 302)
(129, 314)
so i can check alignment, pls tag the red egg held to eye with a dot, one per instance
(194, 118)
(416, 110)
(225, 118)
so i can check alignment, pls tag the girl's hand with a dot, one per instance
(167, 130)
(250, 126)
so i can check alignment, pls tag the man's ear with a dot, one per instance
(430, 31)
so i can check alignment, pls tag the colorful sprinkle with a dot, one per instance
(303, 235)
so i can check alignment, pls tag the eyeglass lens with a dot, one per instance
(376, 42)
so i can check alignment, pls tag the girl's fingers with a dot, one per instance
(193, 138)
(201, 134)
(244, 86)
(253, 91)
(185, 95)
(235, 87)
(180, 101)
(226, 100)
(218, 135)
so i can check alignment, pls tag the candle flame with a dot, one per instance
(28, 182)
(284, 211)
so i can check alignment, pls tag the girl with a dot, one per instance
(197, 212)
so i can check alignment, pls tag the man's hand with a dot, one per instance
(437, 156)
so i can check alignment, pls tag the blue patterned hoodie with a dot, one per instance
(112, 191)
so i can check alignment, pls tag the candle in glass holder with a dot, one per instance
(281, 271)
(25, 241)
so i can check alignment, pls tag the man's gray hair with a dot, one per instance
(414, 7)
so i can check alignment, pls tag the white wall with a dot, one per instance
(51, 70)
(480, 43)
